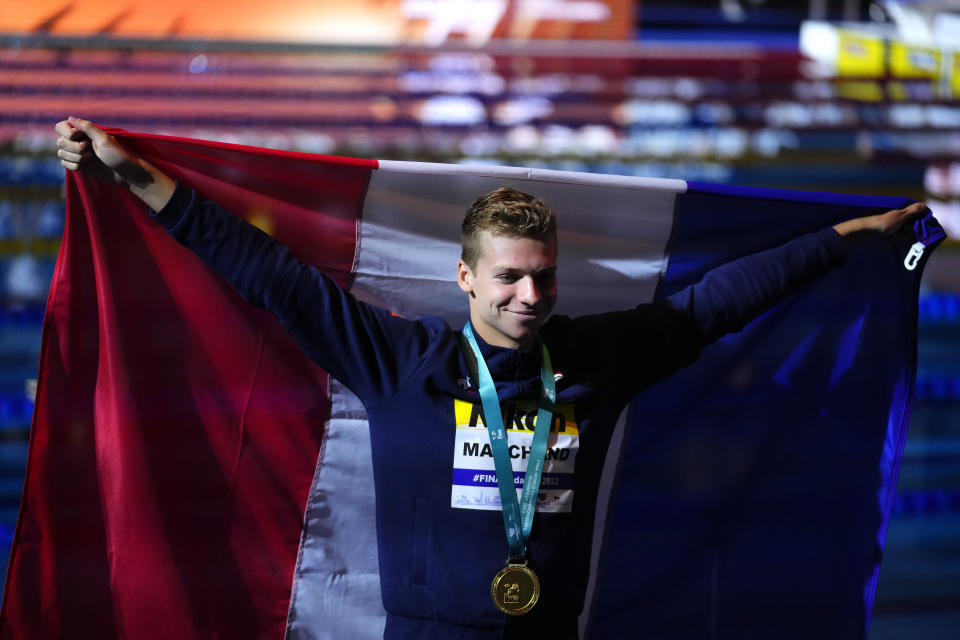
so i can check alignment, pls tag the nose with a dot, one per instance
(529, 291)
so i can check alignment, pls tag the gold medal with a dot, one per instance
(515, 589)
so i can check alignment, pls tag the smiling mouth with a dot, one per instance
(526, 313)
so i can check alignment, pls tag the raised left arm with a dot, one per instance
(730, 296)
(885, 223)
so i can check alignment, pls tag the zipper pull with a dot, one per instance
(913, 256)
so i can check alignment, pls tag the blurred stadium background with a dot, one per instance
(831, 95)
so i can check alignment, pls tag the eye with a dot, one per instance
(546, 277)
(507, 278)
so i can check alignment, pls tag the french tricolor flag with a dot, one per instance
(193, 475)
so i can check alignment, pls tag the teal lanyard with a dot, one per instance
(517, 516)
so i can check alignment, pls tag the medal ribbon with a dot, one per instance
(517, 516)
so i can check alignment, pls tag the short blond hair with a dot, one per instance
(504, 212)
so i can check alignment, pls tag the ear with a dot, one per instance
(464, 277)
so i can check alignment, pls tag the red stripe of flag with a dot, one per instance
(154, 507)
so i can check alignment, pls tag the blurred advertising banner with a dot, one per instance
(859, 55)
(365, 22)
(955, 75)
(912, 61)
(867, 52)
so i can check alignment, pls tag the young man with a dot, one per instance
(420, 381)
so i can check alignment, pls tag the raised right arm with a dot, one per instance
(366, 347)
(82, 146)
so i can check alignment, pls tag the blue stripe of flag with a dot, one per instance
(755, 487)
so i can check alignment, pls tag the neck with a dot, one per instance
(497, 339)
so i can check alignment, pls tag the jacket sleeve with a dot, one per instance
(730, 296)
(365, 347)
(640, 346)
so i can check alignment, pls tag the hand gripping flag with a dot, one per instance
(192, 475)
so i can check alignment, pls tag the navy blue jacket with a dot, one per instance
(437, 561)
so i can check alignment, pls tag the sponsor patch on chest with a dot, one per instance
(474, 474)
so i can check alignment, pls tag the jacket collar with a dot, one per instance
(515, 372)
